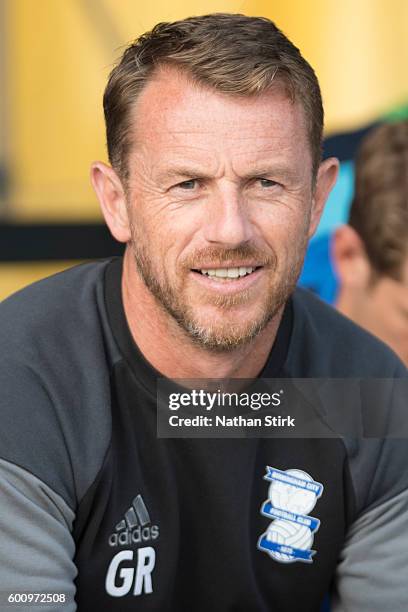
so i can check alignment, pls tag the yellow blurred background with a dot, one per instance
(55, 56)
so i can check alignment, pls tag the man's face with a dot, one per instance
(219, 200)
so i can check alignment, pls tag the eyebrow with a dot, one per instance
(257, 172)
(283, 172)
(180, 171)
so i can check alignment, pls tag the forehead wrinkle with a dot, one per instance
(206, 161)
(240, 131)
(178, 122)
(162, 133)
(261, 139)
(276, 148)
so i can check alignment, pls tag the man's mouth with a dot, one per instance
(228, 273)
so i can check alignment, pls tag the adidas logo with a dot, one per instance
(135, 528)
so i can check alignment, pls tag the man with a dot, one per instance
(371, 252)
(214, 128)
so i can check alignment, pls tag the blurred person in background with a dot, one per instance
(370, 253)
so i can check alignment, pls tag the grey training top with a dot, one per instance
(93, 505)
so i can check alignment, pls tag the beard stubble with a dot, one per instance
(224, 335)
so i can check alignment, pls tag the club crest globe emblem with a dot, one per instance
(292, 494)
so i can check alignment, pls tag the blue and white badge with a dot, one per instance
(292, 495)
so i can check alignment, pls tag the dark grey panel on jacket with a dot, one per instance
(54, 379)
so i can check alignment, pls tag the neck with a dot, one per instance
(168, 348)
(347, 303)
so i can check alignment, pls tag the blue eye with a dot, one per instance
(267, 182)
(188, 185)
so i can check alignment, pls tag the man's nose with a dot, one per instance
(227, 218)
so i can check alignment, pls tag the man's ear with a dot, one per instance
(350, 259)
(325, 181)
(111, 195)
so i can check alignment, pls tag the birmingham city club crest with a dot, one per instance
(292, 495)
